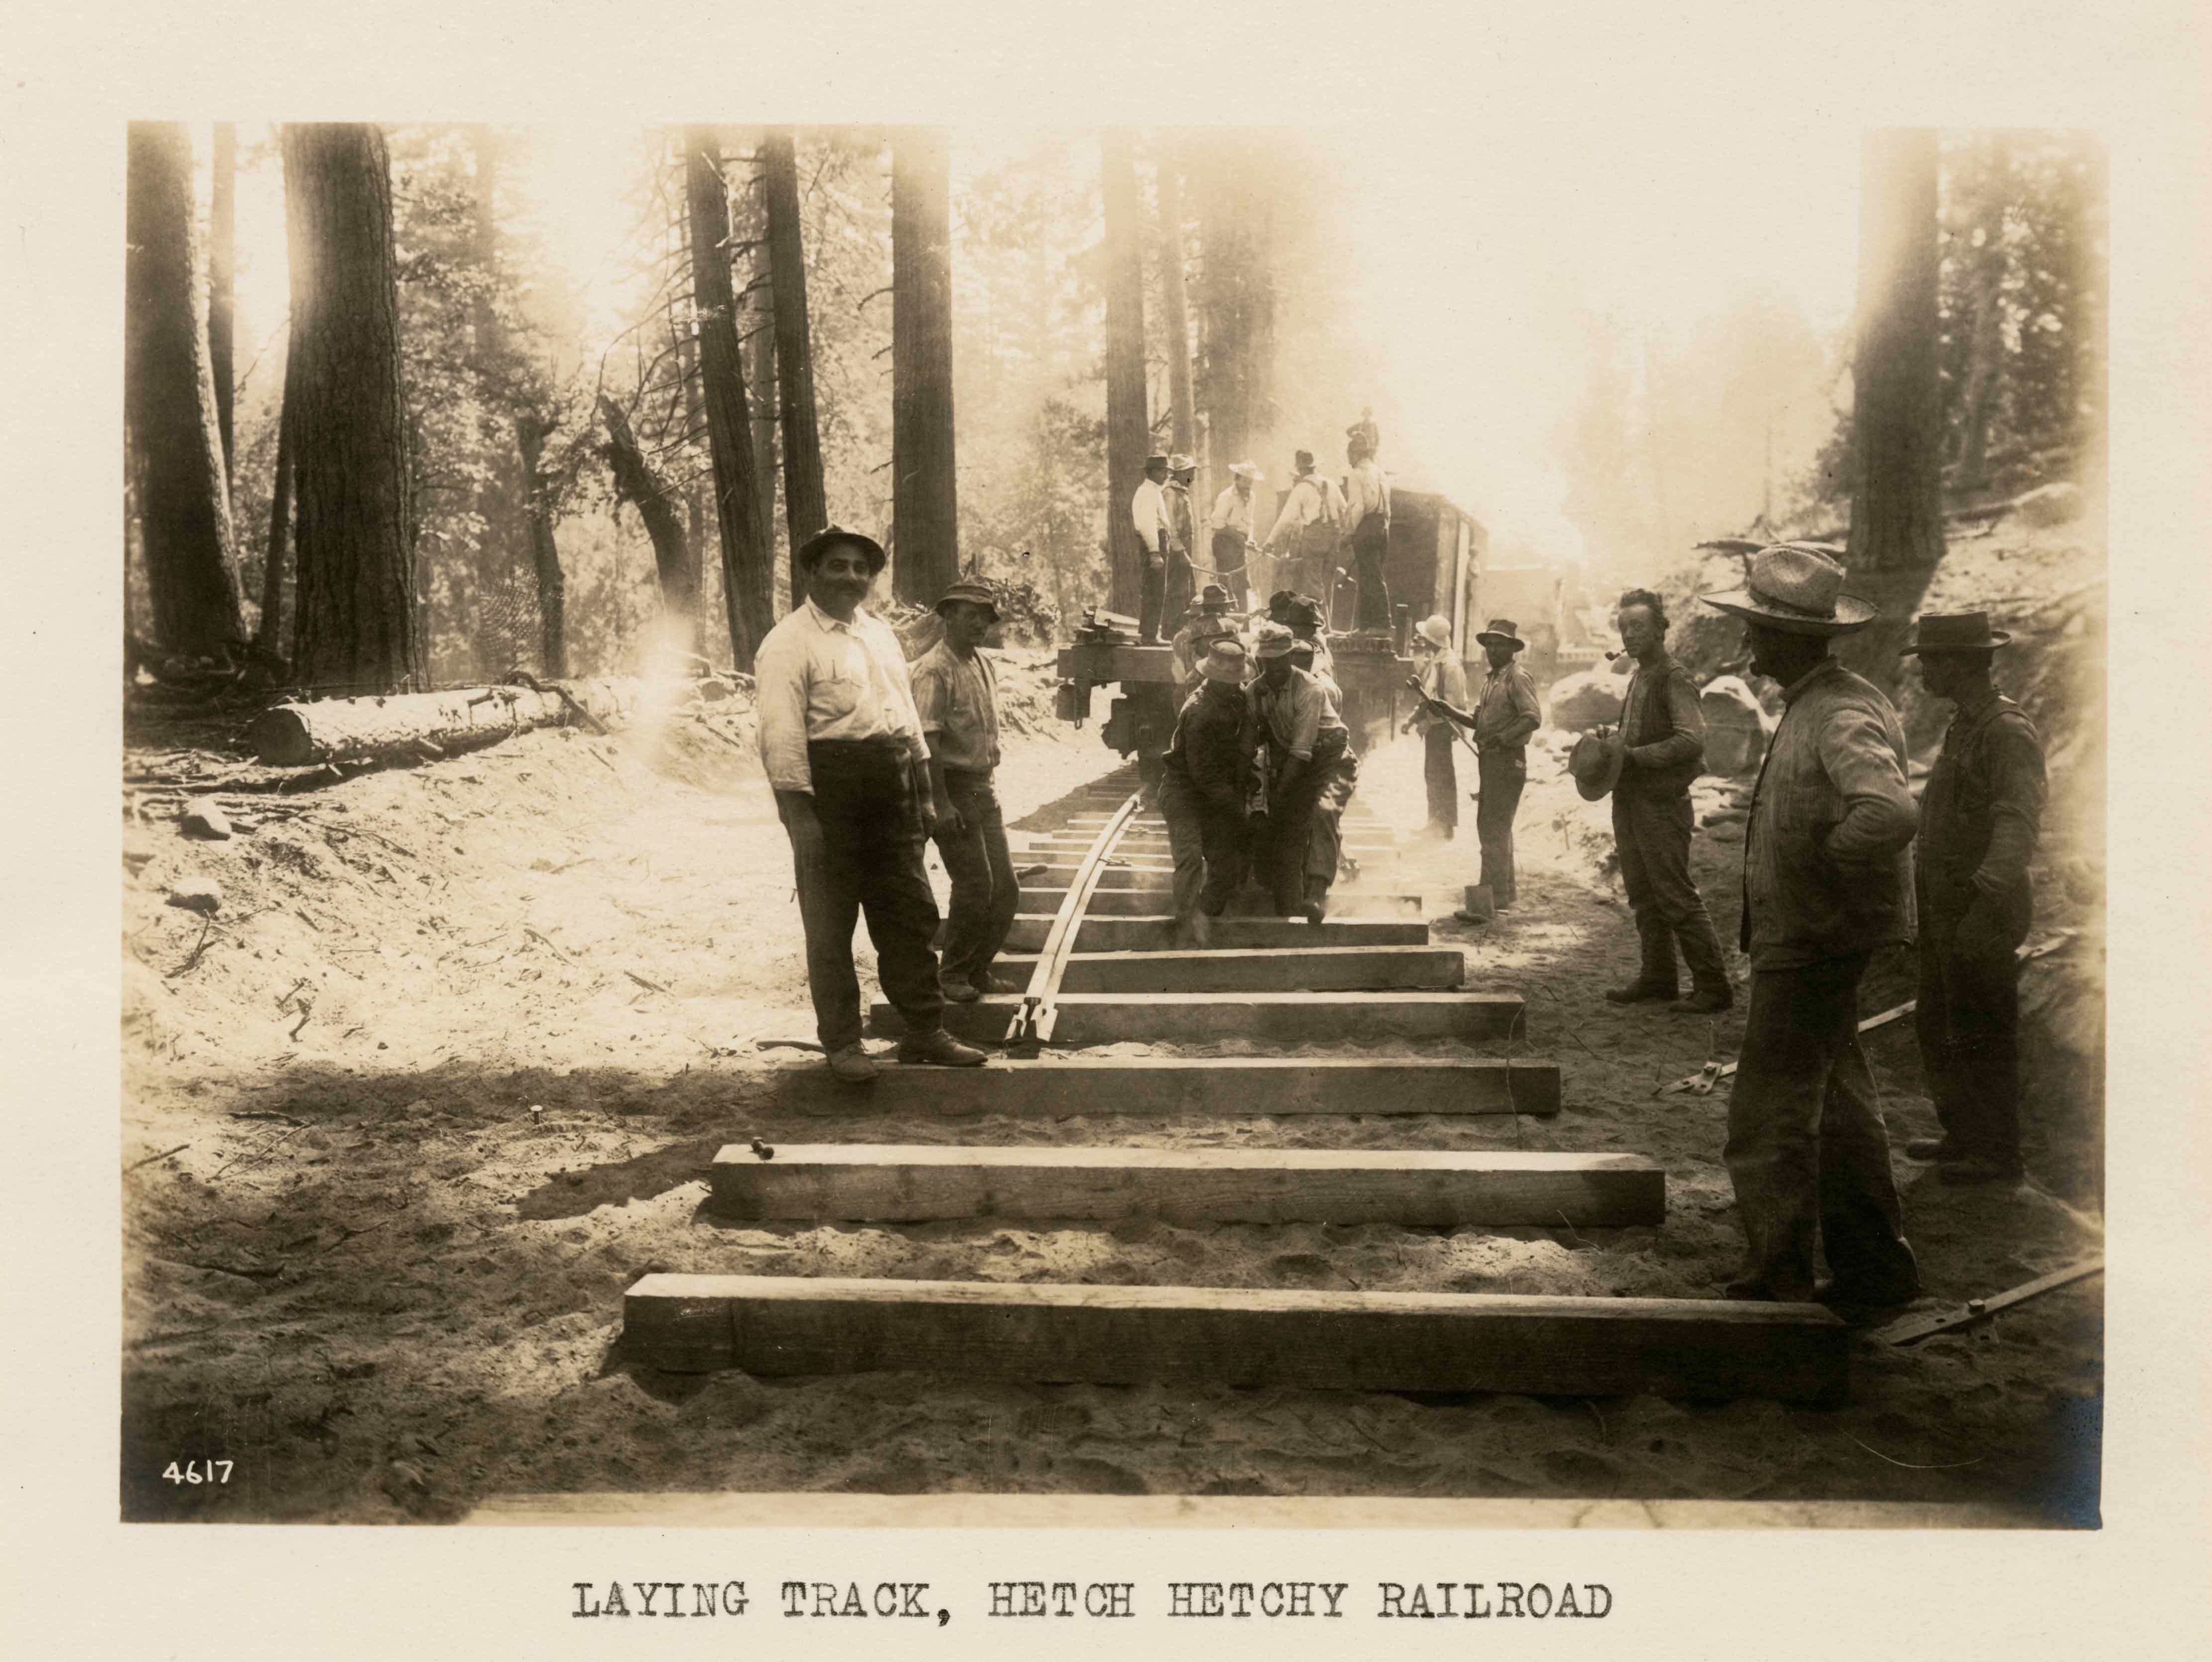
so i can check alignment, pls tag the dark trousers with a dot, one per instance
(1182, 586)
(1152, 595)
(985, 892)
(1505, 775)
(1806, 1147)
(1209, 844)
(1368, 546)
(1968, 1019)
(863, 854)
(1440, 773)
(1653, 836)
(1307, 827)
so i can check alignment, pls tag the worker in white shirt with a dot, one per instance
(1232, 531)
(1367, 513)
(1148, 511)
(1308, 532)
(843, 748)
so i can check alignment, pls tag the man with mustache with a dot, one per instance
(845, 755)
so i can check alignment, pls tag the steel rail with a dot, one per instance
(1032, 1022)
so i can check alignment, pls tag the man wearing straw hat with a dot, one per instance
(1827, 881)
(1204, 779)
(1311, 775)
(1443, 681)
(1979, 817)
(955, 694)
(843, 751)
(1182, 535)
(1231, 525)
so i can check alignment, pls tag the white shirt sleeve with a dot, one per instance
(780, 699)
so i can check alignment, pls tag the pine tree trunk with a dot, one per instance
(1897, 416)
(269, 636)
(1129, 434)
(925, 496)
(544, 552)
(223, 285)
(1234, 198)
(502, 495)
(183, 496)
(747, 592)
(1985, 358)
(805, 505)
(639, 483)
(1176, 301)
(354, 517)
(683, 329)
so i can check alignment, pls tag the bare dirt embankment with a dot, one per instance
(446, 1069)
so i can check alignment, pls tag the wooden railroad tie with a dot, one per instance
(925, 1183)
(1282, 1018)
(782, 1325)
(1123, 896)
(1152, 933)
(1281, 969)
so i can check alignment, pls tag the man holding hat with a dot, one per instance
(955, 695)
(1182, 534)
(1659, 748)
(1148, 512)
(1443, 683)
(1311, 775)
(1231, 524)
(1209, 618)
(1204, 779)
(843, 751)
(1304, 543)
(1980, 814)
(1826, 881)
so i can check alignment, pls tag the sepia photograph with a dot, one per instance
(1213, 812)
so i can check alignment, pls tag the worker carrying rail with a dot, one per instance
(1204, 779)
(1311, 774)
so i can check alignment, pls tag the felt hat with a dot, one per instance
(975, 593)
(1278, 603)
(828, 536)
(1303, 460)
(1501, 628)
(1157, 458)
(1798, 588)
(1595, 762)
(1180, 462)
(1952, 632)
(1301, 609)
(1223, 661)
(1436, 630)
(1246, 470)
(1211, 597)
(1273, 641)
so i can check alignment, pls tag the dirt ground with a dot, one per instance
(441, 1081)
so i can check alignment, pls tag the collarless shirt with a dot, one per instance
(1232, 512)
(817, 677)
(957, 699)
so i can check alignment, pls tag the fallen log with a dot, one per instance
(381, 729)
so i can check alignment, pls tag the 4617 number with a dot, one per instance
(198, 1471)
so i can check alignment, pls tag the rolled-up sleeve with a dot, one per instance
(780, 696)
(1306, 707)
(1878, 816)
(931, 698)
(1528, 716)
(1687, 742)
(2017, 789)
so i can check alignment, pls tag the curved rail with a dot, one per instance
(1032, 1022)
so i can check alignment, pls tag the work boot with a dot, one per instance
(852, 1066)
(940, 1049)
(958, 988)
(1655, 980)
(1201, 931)
(986, 985)
(1979, 1168)
(1639, 991)
(1933, 1148)
(1706, 1001)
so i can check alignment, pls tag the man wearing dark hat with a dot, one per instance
(1300, 615)
(1826, 881)
(1659, 748)
(1148, 511)
(1367, 514)
(1204, 779)
(1311, 775)
(1980, 814)
(955, 694)
(1302, 544)
(1209, 619)
(844, 753)
(1182, 535)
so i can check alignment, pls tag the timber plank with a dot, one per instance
(1152, 933)
(1108, 1018)
(1301, 969)
(1062, 1086)
(924, 1182)
(1130, 898)
(782, 1325)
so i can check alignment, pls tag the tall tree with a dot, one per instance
(806, 505)
(269, 632)
(181, 487)
(222, 285)
(1235, 195)
(1176, 301)
(545, 553)
(353, 528)
(747, 589)
(1897, 415)
(925, 498)
(1128, 431)
(502, 492)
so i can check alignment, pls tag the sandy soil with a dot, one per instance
(383, 1272)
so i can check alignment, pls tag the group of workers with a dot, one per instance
(868, 760)
(1319, 526)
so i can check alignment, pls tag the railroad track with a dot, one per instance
(1092, 948)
